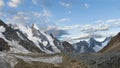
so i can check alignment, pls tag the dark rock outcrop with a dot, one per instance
(4, 45)
(3, 24)
(68, 47)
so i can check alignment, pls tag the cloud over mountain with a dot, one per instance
(56, 31)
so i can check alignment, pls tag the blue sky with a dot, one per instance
(66, 19)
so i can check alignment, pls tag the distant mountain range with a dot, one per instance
(90, 46)
(21, 38)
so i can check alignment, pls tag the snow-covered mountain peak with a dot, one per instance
(34, 26)
(92, 45)
(92, 40)
(30, 39)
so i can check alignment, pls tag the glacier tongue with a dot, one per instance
(7, 60)
(54, 60)
(10, 60)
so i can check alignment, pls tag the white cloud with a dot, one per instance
(41, 18)
(2, 3)
(63, 20)
(70, 27)
(94, 28)
(46, 16)
(14, 3)
(46, 13)
(102, 27)
(69, 12)
(100, 21)
(34, 1)
(36, 14)
(86, 27)
(60, 31)
(86, 5)
(19, 17)
(88, 31)
(83, 36)
(65, 4)
(113, 21)
(56, 31)
(87, 36)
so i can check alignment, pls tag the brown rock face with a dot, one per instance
(114, 44)
(4, 45)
